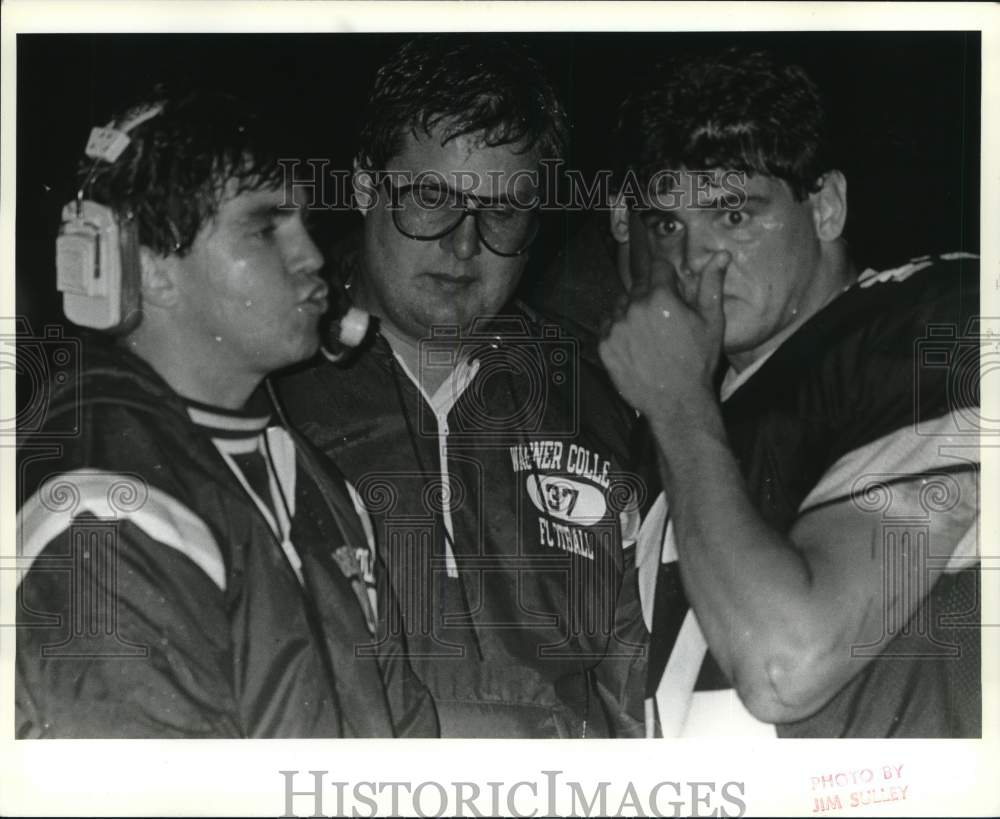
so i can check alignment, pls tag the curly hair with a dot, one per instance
(734, 109)
(173, 176)
(468, 85)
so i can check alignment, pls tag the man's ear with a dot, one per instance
(829, 206)
(619, 214)
(159, 278)
(365, 193)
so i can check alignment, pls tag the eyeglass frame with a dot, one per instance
(466, 209)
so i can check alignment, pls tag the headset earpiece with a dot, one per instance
(97, 267)
(98, 270)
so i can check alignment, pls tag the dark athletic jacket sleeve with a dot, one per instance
(621, 674)
(121, 635)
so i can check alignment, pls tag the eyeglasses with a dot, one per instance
(427, 213)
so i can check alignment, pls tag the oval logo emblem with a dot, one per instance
(566, 499)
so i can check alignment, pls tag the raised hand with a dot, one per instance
(663, 344)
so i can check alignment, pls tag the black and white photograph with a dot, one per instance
(390, 385)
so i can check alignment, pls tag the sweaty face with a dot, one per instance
(413, 284)
(775, 273)
(250, 294)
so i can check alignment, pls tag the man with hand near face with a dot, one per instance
(195, 571)
(820, 503)
(486, 449)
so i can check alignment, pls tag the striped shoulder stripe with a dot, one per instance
(931, 453)
(903, 272)
(904, 453)
(118, 496)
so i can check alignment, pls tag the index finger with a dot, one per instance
(663, 275)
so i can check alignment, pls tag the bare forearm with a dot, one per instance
(751, 589)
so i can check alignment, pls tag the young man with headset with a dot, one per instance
(191, 569)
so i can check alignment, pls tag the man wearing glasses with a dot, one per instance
(486, 450)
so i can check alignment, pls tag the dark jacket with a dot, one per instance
(540, 633)
(159, 602)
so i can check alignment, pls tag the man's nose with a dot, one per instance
(701, 243)
(303, 257)
(463, 241)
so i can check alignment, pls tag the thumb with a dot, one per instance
(709, 298)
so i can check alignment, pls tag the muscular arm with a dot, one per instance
(782, 613)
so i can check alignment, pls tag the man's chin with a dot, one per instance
(304, 352)
(737, 343)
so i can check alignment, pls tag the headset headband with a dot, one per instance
(107, 143)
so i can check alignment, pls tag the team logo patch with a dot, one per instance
(565, 499)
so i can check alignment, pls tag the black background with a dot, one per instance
(906, 104)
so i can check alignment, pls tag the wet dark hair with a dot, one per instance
(735, 110)
(172, 177)
(469, 84)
